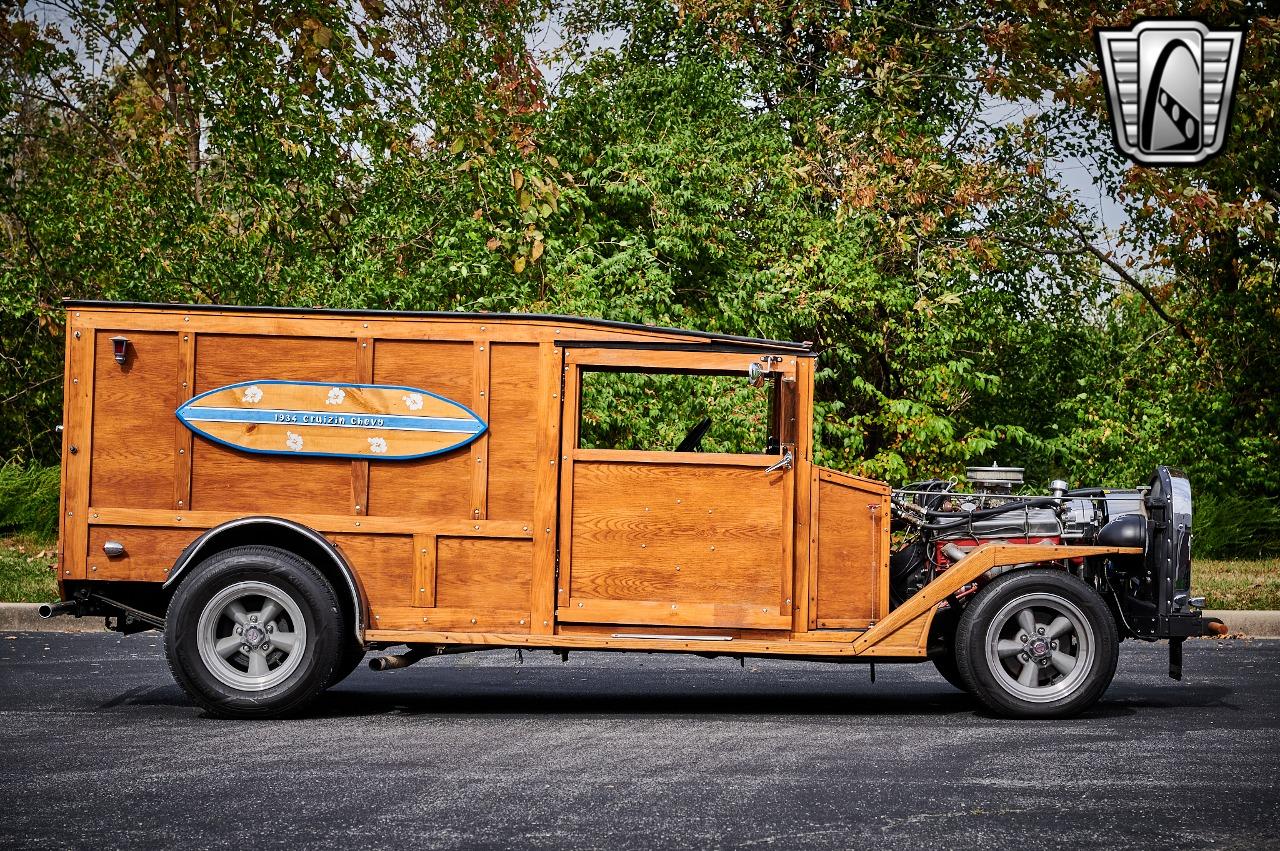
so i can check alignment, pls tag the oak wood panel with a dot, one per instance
(708, 541)
(148, 553)
(636, 360)
(424, 553)
(608, 630)
(801, 551)
(77, 449)
(593, 642)
(869, 485)
(360, 468)
(685, 459)
(224, 479)
(389, 621)
(183, 436)
(546, 506)
(571, 390)
(641, 612)
(480, 448)
(908, 640)
(479, 574)
(848, 558)
(513, 430)
(386, 565)
(319, 522)
(441, 485)
(133, 432)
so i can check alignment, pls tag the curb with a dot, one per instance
(25, 617)
(1254, 624)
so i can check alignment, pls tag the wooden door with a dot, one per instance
(663, 538)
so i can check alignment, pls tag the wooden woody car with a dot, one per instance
(280, 490)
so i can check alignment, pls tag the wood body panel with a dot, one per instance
(483, 573)
(670, 544)
(224, 479)
(480, 449)
(183, 438)
(133, 404)
(386, 565)
(513, 430)
(850, 559)
(148, 553)
(440, 486)
(77, 451)
(467, 539)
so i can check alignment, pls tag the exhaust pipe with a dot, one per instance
(391, 663)
(415, 654)
(51, 610)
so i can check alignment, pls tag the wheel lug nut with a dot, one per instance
(1024, 638)
(1040, 630)
(271, 628)
(245, 648)
(266, 645)
(253, 618)
(239, 630)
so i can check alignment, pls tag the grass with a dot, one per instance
(26, 569)
(1237, 583)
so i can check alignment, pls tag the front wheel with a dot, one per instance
(255, 632)
(1037, 643)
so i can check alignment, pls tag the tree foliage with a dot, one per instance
(814, 170)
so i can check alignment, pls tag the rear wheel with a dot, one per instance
(352, 656)
(254, 632)
(1037, 643)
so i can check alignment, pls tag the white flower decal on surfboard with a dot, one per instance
(293, 441)
(336, 395)
(378, 445)
(252, 394)
(413, 401)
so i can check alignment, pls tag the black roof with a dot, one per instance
(434, 314)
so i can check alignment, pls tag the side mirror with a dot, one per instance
(755, 375)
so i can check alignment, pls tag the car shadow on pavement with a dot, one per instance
(499, 692)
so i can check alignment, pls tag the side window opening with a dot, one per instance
(666, 412)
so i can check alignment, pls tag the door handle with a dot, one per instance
(785, 463)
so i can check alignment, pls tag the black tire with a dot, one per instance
(1056, 671)
(942, 646)
(352, 656)
(946, 665)
(203, 618)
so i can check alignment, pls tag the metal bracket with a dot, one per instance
(786, 463)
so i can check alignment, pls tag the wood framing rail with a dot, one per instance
(320, 522)
(969, 568)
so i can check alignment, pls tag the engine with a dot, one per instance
(937, 523)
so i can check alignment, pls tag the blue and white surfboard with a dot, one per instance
(368, 421)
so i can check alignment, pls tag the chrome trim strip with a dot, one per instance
(672, 637)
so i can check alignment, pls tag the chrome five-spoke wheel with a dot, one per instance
(1040, 646)
(255, 631)
(251, 636)
(1037, 643)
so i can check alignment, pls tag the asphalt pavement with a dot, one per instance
(621, 751)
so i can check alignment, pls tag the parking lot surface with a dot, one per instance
(625, 751)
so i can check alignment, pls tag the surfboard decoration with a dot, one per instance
(368, 421)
